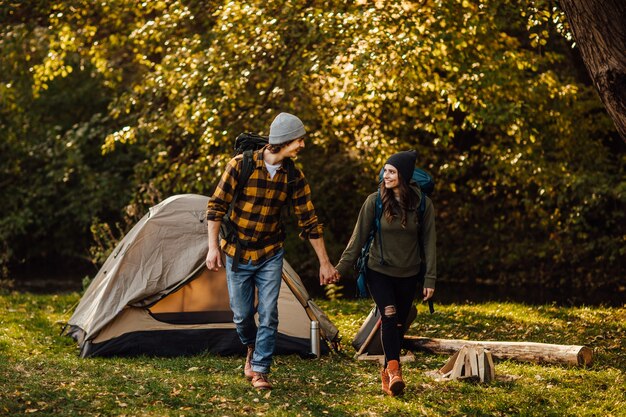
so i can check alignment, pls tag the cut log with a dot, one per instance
(490, 368)
(481, 363)
(520, 351)
(457, 369)
(447, 368)
(472, 356)
(467, 368)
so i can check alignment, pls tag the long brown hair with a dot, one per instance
(392, 207)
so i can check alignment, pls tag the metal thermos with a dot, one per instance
(315, 338)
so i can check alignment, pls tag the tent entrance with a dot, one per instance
(203, 299)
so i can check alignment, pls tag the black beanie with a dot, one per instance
(404, 162)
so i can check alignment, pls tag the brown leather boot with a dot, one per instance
(247, 369)
(384, 376)
(261, 381)
(396, 384)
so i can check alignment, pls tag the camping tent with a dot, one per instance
(155, 296)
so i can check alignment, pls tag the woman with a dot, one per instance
(395, 257)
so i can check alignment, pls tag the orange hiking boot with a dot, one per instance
(384, 376)
(396, 384)
(260, 381)
(247, 369)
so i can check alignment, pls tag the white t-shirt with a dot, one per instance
(272, 169)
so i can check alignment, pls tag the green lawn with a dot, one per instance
(40, 373)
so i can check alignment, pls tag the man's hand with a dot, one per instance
(328, 273)
(428, 293)
(214, 259)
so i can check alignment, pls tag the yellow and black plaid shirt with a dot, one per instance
(256, 213)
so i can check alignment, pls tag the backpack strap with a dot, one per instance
(422, 271)
(361, 263)
(228, 231)
(290, 167)
(378, 214)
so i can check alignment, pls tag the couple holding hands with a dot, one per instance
(254, 259)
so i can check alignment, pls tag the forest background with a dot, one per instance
(107, 108)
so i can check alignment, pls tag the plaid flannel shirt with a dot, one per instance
(256, 212)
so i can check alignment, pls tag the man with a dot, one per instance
(256, 259)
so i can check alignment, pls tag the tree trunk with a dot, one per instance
(521, 351)
(599, 27)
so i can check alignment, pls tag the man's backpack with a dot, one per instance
(426, 183)
(247, 144)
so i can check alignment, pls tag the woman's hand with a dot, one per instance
(428, 293)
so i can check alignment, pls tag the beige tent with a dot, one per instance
(154, 296)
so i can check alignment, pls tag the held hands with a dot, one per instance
(428, 293)
(328, 274)
(214, 259)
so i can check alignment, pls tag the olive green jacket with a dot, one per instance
(401, 246)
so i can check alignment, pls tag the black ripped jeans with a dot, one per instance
(392, 293)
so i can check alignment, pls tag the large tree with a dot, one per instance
(599, 27)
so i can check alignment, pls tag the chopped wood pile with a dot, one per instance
(470, 363)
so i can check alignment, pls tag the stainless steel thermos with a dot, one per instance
(315, 338)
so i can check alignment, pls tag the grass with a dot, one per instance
(40, 373)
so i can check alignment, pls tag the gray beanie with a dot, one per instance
(286, 127)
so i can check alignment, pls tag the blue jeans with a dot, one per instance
(266, 277)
